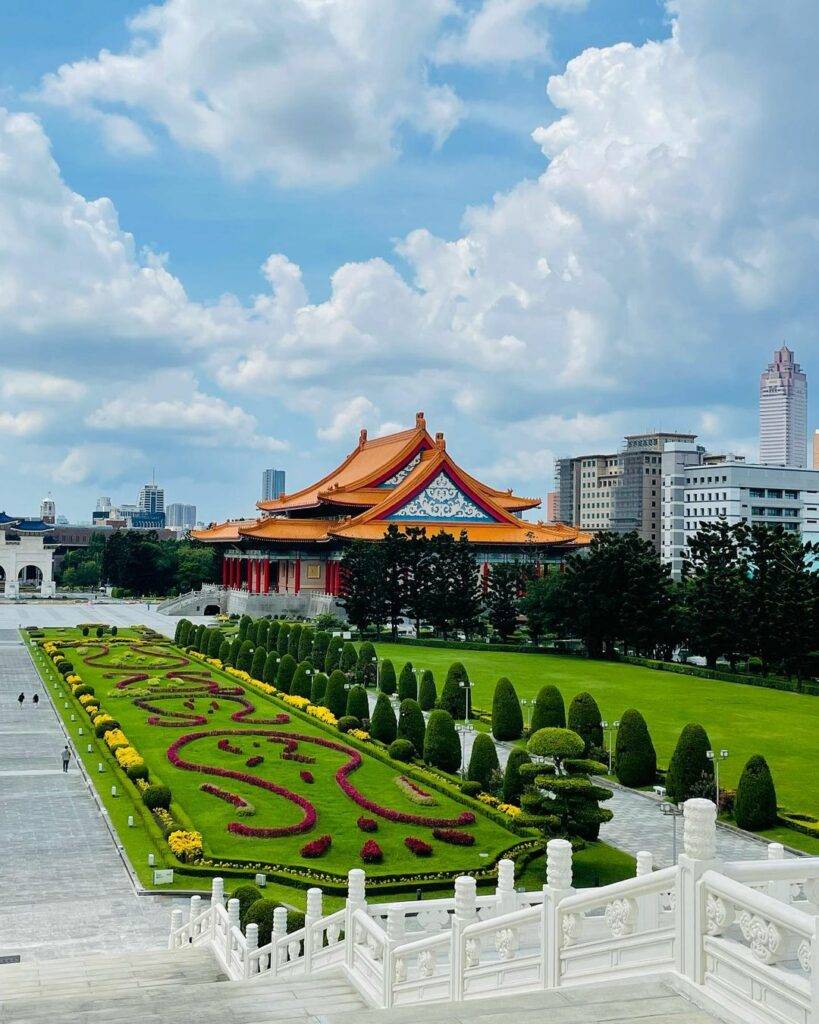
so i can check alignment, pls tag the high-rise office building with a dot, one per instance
(783, 412)
(48, 510)
(180, 517)
(272, 484)
(152, 498)
(103, 504)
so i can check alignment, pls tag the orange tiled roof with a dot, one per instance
(228, 531)
(282, 528)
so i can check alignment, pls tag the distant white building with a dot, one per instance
(179, 516)
(26, 556)
(783, 412)
(151, 499)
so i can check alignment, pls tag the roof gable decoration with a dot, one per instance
(402, 473)
(439, 501)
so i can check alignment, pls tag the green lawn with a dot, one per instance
(744, 719)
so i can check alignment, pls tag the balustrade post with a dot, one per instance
(251, 944)
(558, 886)
(176, 924)
(356, 900)
(648, 907)
(217, 899)
(507, 898)
(312, 915)
(465, 908)
(780, 890)
(233, 922)
(813, 972)
(194, 912)
(279, 932)
(699, 855)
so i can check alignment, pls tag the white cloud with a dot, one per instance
(21, 424)
(305, 90)
(45, 387)
(348, 418)
(100, 463)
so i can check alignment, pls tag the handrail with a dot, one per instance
(657, 881)
(760, 903)
(418, 945)
(794, 869)
(525, 916)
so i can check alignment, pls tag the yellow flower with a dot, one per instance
(510, 809)
(187, 846)
(87, 698)
(359, 734)
(116, 738)
(73, 680)
(297, 702)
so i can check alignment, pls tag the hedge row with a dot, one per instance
(809, 686)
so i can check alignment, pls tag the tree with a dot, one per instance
(584, 718)
(366, 669)
(262, 629)
(513, 784)
(287, 669)
(483, 761)
(258, 663)
(441, 566)
(349, 659)
(466, 598)
(235, 647)
(453, 695)
(357, 704)
(244, 625)
(305, 644)
(271, 668)
(417, 578)
(549, 710)
(383, 726)
(441, 747)
(393, 574)
(543, 605)
(180, 634)
(755, 802)
(407, 683)
(224, 651)
(635, 759)
(335, 696)
(252, 632)
(362, 585)
(318, 689)
(386, 677)
(283, 639)
(502, 595)
(507, 717)
(273, 635)
(689, 764)
(427, 693)
(214, 642)
(244, 661)
(321, 641)
(332, 659)
(411, 725)
(301, 685)
(293, 641)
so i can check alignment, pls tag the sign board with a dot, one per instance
(163, 877)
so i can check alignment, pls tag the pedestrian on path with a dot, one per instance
(35, 700)
(21, 700)
(66, 757)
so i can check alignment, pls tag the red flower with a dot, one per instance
(454, 836)
(229, 747)
(367, 824)
(252, 762)
(224, 794)
(418, 846)
(371, 852)
(316, 847)
(306, 776)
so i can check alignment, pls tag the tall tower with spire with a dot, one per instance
(783, 412)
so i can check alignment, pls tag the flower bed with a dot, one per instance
(244, 807)
(185, 845)
(371, 852)
(228, 747)
(414, 791)
(255, 761)
(454, 836)
(306, 776)
(316, 847)
(367, 824)
(419, 847)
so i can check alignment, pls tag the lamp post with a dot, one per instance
(526, 704)
(464, 730)
(716, 756)
(466, 685)
(672, 811)
(610, 728)
(374, 660)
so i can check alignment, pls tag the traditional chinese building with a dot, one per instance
(408, 479)
(26, 556)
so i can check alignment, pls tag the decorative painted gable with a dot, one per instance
(402, 473)
(441, 501)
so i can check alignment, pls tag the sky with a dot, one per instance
(233, 232)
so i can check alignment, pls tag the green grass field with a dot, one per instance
(745, 720)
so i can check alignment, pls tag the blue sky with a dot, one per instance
(630, 266)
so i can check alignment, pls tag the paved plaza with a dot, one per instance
(14, 614)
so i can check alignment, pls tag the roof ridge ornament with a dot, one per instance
(440, 442)
(420, 421)
(362, 437)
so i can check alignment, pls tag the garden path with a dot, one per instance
(56, 614)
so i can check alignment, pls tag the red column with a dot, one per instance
(237, 573)
(257, 576)
(266, 576)
(232, 574)
(297, 577)
(327, 565)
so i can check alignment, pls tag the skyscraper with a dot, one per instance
(152, 498)
(783, 412)
(179, 516)
(272, 484)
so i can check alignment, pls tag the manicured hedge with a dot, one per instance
(427, 693)
(386, 677)
(549, 711)
(301, 684)
(809, 686)
(755, 802)
(383, 726)
(287, 669)
(483, 760)
(335, 696)
(635, 756)
(584, 718)
(357, 703)
(513, 784)
(441, 746)
(407, 683)
(689, 763)
(318, 688)
(411, 725)
(453, 695)
(507, 717)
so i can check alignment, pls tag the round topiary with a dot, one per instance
(357, 703)
(401, 750)
(471, 788)
(453, 695)
(287, 669)
(347, 722)
(247, 896)
(261, 913)
(271, 668)
(301, 685)
(156, 796)
(411, 725)
(335, 696)
(383, 726)
(755, 802)
(441, 746)
(635, 756)
(689, 763)
(584, 719)
(137, 771)
(386, 677)
(427, 693)
(366, 665)
(407, 683)
(507, 717)
(318, 688)
(83, 689)
(513, 784)
(349, 658)
(483, 760)
(244, 660)
(557, 743)
(549, 711)
(258, 663)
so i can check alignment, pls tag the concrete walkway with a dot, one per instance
(56, 614)
(63, 886)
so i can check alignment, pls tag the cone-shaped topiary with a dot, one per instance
(386, 676)
(224, 651)
(244, 661)
(318, 688)
(635, 756)
(252, 632)
(357, 703)
(293, 641)
(332, 658)
(453, 695)
(283, 639)
(441, 747)
(513, 784)
(507, 717)
(349, 658)
(383, 726)
(301, 685)
(335, 696)
(273, 635)
(258, 663)
(427, 693)
(483, 760)
(755, 802)
(247, 896)
(407, 683)
(214, 643)
(584, 719)
(306, 644)
(271, 668)
(321, 641)
(287, 669)
(549, 711)
(244, 625)
(180, 634)
(262, 629)
(689, 763)
(411, 725)
(365, 669)
(235, 647)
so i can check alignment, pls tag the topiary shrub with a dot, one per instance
(214, 643)
(401, 750)
(83, 689)
(224, 651)
(253, 632)
(349, 658)
(441, 747)
(507, 717)
(755, 801)
(556, 743)
(347, 722)
(318, 688)
(247, 896)
(584, 719)
(483, 760)
(244, 626)
(284, 677)
(427, 693)
(635, 756)
(470, 788)
(244, 660)
(258, 663)
(177, 636)
(273, 635)
(262, 629)
(357, 703)
(293, 641)
(689, 764)
(411, 725)
(271, 668)
(366, 668)
(283, 639)
(103, 727)
(156, 796)
(513, 784)
(386, 677)
(453, 695)
(332, 659)
(321, 641)
(137, 771)
(407, 683)
(261, 913)
(305, 652)
(301, 684)
(383, 726)
(335, 696)
(234, 651)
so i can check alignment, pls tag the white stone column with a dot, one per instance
(699, 855)
(558, 886)
(356, 900)
(312, 915)
(176, 924)
(780, 890)
(251, 944)
(648, 907)
(279, 932)
(507, 898)
(465, 908)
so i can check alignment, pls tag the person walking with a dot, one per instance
(35, 700)
(21, 700)
(66, 757)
